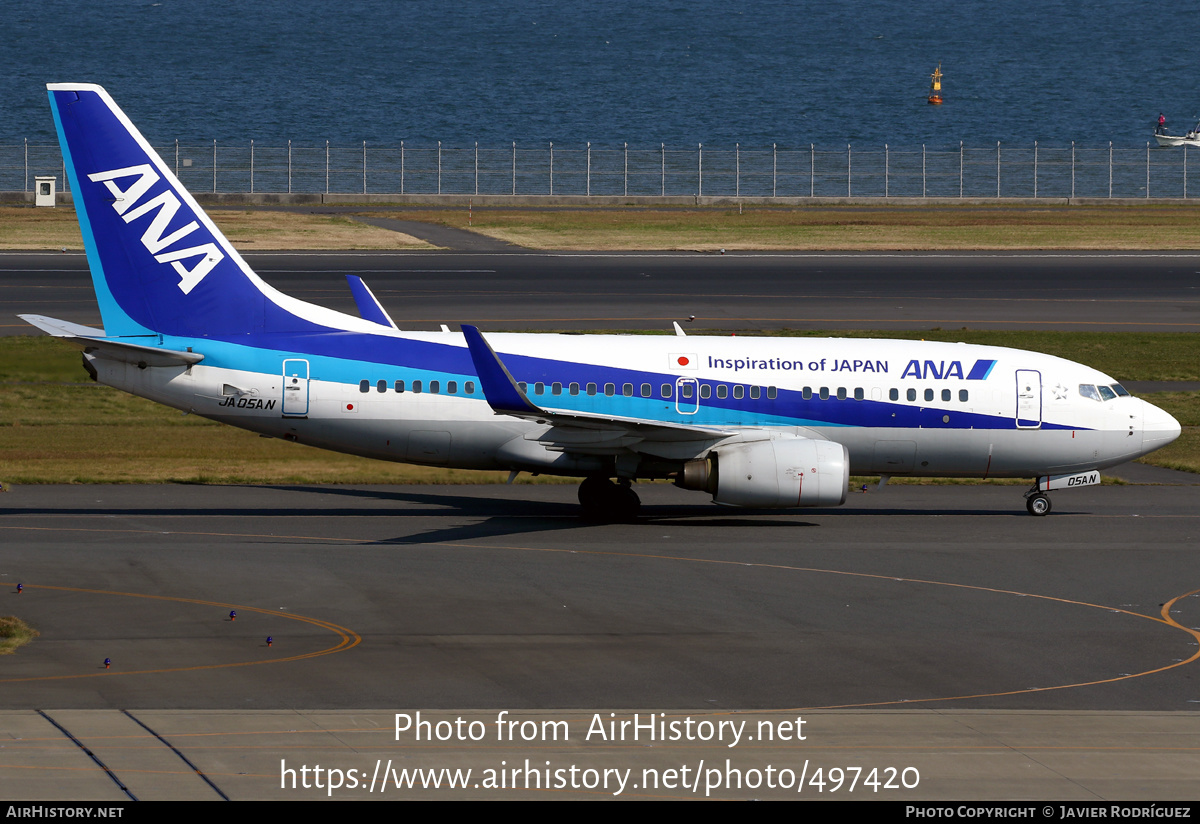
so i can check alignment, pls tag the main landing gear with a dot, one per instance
(605, 501)
(1037, 502)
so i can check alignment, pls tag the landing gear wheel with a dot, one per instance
(593, 493)
(1038, 505)
(626, 503)
(605, 502)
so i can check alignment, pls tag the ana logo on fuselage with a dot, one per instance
(167, 203)
(937, 371)
(940, 370)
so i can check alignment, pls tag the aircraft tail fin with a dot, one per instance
(159, 264)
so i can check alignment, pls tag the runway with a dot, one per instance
(746, 291)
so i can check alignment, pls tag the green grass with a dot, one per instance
(14, 633)
(880, 226)
(58, 427)
(826, 227)
(39, 358)
(25, 227)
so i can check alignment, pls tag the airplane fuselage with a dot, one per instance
(899, 407)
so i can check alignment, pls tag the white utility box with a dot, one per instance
(44, 191)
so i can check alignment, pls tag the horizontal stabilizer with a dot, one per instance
(94, 342)
(62, 328)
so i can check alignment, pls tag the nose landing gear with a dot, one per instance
(1036, 500)
(1038, 503)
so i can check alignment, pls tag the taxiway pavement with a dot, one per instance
(938, 627)
(500, 597)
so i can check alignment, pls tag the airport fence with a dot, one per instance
(1008, 170)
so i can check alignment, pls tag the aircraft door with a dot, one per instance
(1029, 399)
(687, 396)
(295, 388)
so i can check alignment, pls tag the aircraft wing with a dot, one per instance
(94, 341)
(506, 397)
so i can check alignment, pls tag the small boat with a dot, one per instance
(1192, 138)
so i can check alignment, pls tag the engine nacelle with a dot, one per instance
(785, 472)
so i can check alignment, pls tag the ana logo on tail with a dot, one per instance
(153, 238)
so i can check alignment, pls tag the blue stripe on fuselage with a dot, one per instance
(350, 357)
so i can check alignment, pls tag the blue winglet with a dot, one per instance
(499, 388)
(368, 305)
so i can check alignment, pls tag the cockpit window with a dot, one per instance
(1106, 393)
(1120, 390)
(1086, 390)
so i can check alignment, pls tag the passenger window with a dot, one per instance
(574, 389)
(627, 390)
(380, 386)
(539, 388)
(823, 394)
(470, 387)
(841, 393)
(893, 394)
(911, 394)
(928, 394)
(739, 392)
(772, 392)
(806, 393)
(435, 387)
(686, 391)
(416, 386)
(364, 386)
(705, 391)
(858, 394)
(945, 395)
(452, 387)
(754, 393)
(523, 386)
(556, 389)
(722, 391)
(963, 395)
(610, 389)
(666, 390)
(647, 390)
(591, 389)
(399, 386)
(1086, 390)
(1106, 393)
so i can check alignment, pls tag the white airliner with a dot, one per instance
(756, 422)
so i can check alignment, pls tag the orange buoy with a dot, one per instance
(935, 86)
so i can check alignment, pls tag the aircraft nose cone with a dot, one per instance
(1158, 428)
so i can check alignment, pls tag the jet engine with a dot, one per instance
(783, 472)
